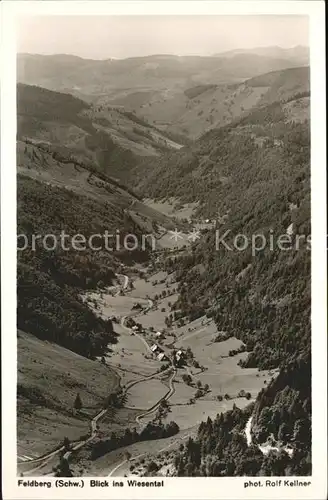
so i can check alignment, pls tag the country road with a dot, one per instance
(171, 381)
(43, 460)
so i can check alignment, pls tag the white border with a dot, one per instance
(184, 488)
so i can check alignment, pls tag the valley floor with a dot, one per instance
(136, 369)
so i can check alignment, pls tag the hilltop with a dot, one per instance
(203, 107)
(95, 77)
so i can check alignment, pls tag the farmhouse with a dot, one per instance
(159, 334)
(161, 356)
(179, 355)
(154, 348)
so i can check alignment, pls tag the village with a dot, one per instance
(160, 352)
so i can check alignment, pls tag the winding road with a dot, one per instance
(172, 367)
(264, 448)
(44, 459)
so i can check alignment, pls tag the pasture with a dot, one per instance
(131, 358)
(146, 394)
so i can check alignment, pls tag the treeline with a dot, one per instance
(65, 156)
(151, 431)
(198, 90)
(283, 411)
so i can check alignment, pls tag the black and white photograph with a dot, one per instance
(164, 252)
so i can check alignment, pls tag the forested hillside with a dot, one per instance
(254, 179)
(49, 281)
(245, 154)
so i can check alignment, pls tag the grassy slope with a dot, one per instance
(49, 377)
(99, 135)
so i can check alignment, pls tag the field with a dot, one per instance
(144, 288)
(188, 416)
(131, 358)
(156, 317)
(146, 394)
(216, 369)
(43, 423)
(173, 207)
(110, 305)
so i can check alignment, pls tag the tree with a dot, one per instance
(152, 467)
(63, 469)
(187, 379)
(66, 443)
(171, 429)
(78, 402)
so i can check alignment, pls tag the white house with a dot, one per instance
(161, 356)
(154, 348)
(290, 229)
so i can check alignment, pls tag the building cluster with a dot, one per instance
(160, 355)
(137, 329)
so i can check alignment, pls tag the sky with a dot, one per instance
(119, 37)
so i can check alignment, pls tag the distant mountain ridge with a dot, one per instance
(91, 79)
(300, 53)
